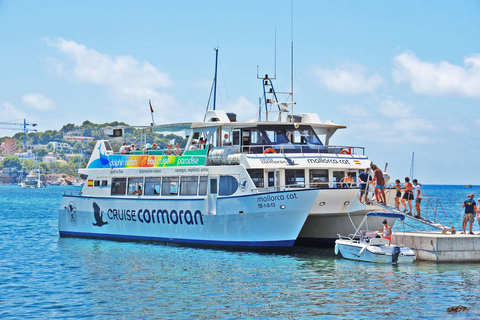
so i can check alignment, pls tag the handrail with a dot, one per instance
(312, 185)
(301, 148)
(434, 205)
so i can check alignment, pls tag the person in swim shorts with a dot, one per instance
(408, 195)
(379, 183)
(470, 207)
(418, 196)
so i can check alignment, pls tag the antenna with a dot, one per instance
(215, 79)
(275, 56)
(291, 62)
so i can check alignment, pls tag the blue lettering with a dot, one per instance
(188, 217)
(164, 214)
(199, 213)
(139, 215)
(174, 221)
(108, 213)
(153, 216)
(133, 216)
(145, 212)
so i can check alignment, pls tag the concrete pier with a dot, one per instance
(438, 247)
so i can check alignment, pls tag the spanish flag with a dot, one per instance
(90, 183)
(357, 162)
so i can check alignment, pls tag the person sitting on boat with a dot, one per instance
(123, 148)
(138, 191)
(148, 146)
(387, 232)
(169, 150)
(177, 151)
(201, 144)
(225, 141)
(132, 147)
(193, 145)
(154, 146)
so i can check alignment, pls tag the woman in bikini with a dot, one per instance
(398, 194)
(408, 195)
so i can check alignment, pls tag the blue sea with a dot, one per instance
(45, 276)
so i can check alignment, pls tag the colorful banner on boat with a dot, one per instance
(147, 161)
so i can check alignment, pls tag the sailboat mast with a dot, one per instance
(215, 79)
(412, 166)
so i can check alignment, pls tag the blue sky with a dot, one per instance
(402, 76)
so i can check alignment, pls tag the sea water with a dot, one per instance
(45, 276)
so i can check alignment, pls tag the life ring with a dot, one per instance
(269, 150)
(345, 151)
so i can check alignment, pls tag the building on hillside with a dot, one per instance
(25, 155)
(60, 146)
(34, 146)
(9, 146)
(76, 136)
(49, 158)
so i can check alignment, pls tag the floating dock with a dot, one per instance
(438, 247)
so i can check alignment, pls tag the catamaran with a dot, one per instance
(272, 181)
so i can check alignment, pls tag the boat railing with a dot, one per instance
(72, 193)
(434, 209)
(308, 148)
(313, 185)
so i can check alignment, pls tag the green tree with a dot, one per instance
(12, 162)
(40, 153)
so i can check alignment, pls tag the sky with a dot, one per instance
(403, 76)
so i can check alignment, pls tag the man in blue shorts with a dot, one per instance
(470, 208)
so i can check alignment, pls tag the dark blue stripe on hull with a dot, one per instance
(259, 244)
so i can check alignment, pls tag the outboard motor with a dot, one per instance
(396, 252)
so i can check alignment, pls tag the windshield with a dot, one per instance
(265, 135)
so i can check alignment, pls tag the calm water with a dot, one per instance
(44, 276)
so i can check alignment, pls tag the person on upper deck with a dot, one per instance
(379, 183)
(154, 146)
(177, 151)
(169, 150)
(408, 195)
(123, 148)
(202, 143)
(193, 145)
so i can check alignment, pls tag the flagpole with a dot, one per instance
(151, 111)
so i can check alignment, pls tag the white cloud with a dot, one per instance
(354, 111)
(349, 78)
(438, 79)
(127, 79)
(9, 110)
(244, 109)
(38, 101)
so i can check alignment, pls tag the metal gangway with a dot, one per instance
(431, 212)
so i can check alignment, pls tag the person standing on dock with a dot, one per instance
(470, 207)
(418, 196)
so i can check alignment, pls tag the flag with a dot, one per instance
(90, 183)
(151, 108)
(357, 162)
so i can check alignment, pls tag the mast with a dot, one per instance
(215, 79)
(412, 166)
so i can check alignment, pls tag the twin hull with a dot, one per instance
(258, 220)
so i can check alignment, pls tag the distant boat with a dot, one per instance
(469, 186)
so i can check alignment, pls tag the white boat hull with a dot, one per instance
(378, 254)
(257, 220)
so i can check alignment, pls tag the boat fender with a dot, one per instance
(362, 251)
(269, 150)
(345, 151)
(336, 248)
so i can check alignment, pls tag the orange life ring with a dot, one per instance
(345, 151)
(269, 150)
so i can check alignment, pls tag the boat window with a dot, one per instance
(104, 183)
(170, 186)
(96, 183)
(188, 186)
(107, 146)
(213, 186)
(228, 185)
(135, 186)
(319, 178)
(337, 178)
(119, 186)
(295, 178)
(257, 177)
(153, 186)
(202, 186)
(236, 138)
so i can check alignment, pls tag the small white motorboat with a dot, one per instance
(368, 246)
